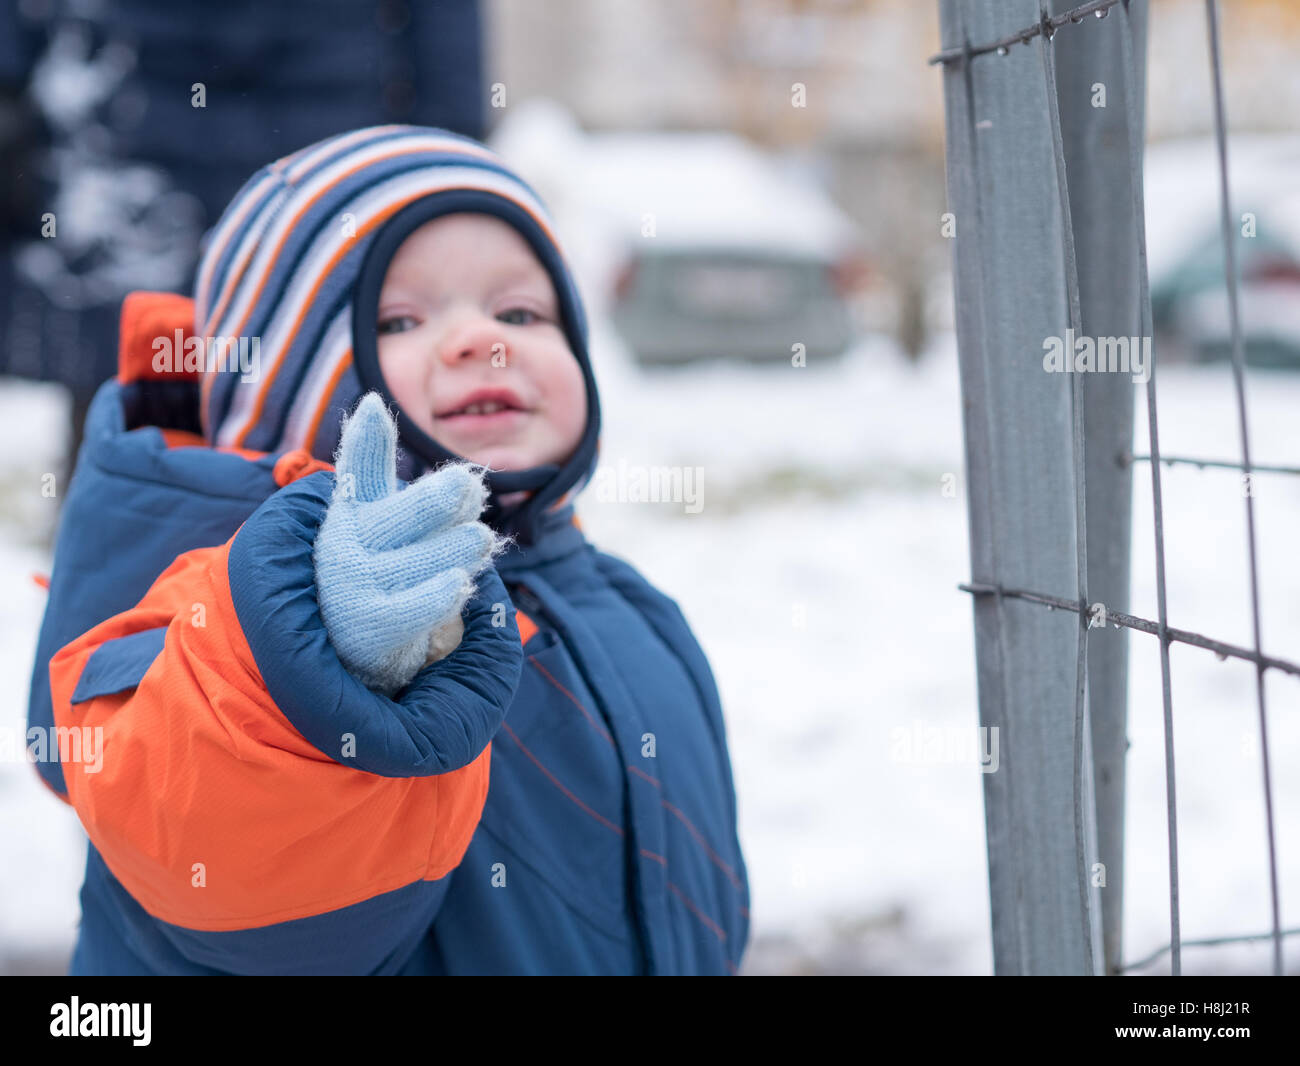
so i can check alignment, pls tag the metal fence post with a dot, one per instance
(1092, 87)
(1015, 290)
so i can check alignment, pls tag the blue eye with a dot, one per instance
(504, 316)
(395, 324)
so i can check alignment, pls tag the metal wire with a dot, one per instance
(1127, 459)
(1045, 27)
(1220, 648)
(1080, 488)
(1238, 377)
(1207, 942)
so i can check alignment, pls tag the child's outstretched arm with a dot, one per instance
(268, 809)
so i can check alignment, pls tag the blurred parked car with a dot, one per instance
(724, 255)
(1189, 302)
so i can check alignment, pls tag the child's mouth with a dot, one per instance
(487, 408)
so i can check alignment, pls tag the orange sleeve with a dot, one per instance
(208, 805)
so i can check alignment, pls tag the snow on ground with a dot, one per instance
(1222, 843)
(42, 846)
(820, 576)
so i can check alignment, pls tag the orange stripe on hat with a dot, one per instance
(364, 164)
(335, 377)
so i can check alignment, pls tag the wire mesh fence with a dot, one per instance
(980, 196)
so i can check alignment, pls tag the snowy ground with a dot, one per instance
(824, 503)
(820, 575)
(41, 842)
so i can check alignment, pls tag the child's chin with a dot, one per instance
(503, 455)
(500, 458)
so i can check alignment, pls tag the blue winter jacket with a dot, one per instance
(230, 835)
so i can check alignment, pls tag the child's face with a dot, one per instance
(471, 345)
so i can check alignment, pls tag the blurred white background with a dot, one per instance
(821, 573)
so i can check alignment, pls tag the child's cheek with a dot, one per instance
(403, 379)
(570, 414)
(578, 384)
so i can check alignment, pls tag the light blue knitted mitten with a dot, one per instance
(395, 564)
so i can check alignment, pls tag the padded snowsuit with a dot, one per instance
(554, 797)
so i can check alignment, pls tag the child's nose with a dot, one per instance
(472, 336)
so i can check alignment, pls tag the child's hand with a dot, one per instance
(393, 565)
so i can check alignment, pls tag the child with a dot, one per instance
(294, 770)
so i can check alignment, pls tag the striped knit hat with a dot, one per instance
(297, 261)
